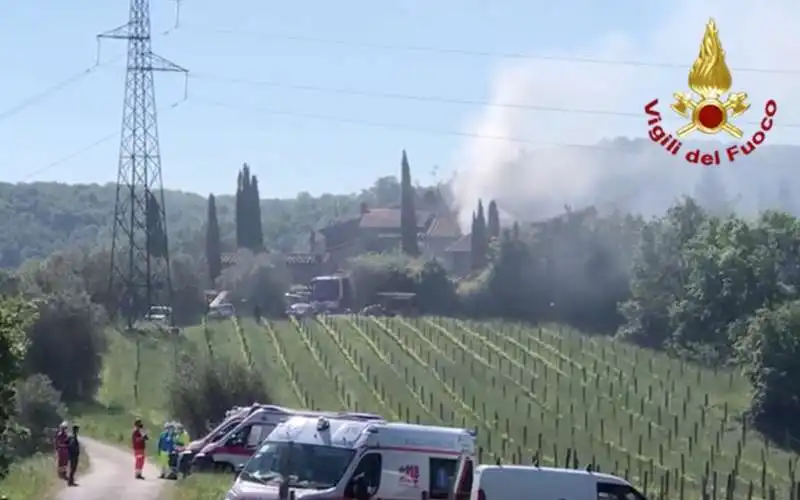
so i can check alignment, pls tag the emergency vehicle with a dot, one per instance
(241, 434)
(233, 417)
(490, 482)
(335, 458)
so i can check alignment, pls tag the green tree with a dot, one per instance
(241, 219)
(213, 242)
(16, 315)
(156, 232)
(493, 222)
(408, 212)
(255, 210)
(770, 353)
(479, 240)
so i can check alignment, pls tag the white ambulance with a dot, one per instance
(334, 458)
(501, 482)
(233, 447)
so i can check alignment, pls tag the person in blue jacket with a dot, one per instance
(166, 443)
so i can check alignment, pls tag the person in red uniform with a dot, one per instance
(61, 445)
(138, 442)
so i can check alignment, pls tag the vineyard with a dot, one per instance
(573, 400)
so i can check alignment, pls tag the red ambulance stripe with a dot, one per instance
(412, 449)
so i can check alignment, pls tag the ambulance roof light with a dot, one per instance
(323, 424)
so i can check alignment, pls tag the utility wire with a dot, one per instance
(439, 99)
(469, 52)
(84, 149)
(395, 126)
(54, 89)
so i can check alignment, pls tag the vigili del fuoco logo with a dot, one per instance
(710, 108)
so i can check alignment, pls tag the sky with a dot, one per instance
(341, 94)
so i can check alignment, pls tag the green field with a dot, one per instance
(667, 425)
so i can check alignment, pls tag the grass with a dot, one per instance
(35, 477)
(200, 487)
(670, 426)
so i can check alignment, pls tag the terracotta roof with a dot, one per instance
(443, 226)
(384, 218)
(304, 259)
(463, 244)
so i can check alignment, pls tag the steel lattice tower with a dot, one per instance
(140, 268)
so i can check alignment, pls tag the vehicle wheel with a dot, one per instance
(223, 467)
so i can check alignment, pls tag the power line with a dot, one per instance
(74, 154)
(471, 52)
(396, 126)
(81, 151)
(438, 99)
(54, 89)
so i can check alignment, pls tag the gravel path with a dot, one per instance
(110, 476)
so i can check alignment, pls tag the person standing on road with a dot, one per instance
(138, 443)
(62, 457)
(166, 445)
(74, 454)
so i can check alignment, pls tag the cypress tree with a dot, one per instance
(493, 223)
(239, 211)
(473, 247)
(255, 208)
(247, 208)
(156, 233)
(213, 244)
(480, 242)
(408, 213)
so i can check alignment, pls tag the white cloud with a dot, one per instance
(639, 175)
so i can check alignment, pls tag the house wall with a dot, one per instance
(458, 263)
(435, 247)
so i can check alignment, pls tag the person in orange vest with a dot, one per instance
(62, 456)
(138, 442)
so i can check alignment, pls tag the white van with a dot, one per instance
(500, 482)
(335, 458)
(232, 448)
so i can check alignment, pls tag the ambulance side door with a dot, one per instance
(403, 474)
(370, 467)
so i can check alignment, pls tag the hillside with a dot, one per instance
(38, 218)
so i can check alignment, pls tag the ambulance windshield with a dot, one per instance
(302, 465)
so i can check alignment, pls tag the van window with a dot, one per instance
(611, 491)
(370, 466)
(256, 436)
(441, 472)
(304, 465)
(239, 439)
(465, 481)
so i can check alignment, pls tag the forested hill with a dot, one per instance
(39, 218)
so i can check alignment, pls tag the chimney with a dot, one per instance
(364, 207)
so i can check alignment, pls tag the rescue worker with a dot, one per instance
(166, 445)
(74, 454)
(181, 442)
(62, 455)
(138, 443)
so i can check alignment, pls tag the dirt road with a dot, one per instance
(110, 476)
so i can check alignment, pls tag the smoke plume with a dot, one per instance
(582, 159)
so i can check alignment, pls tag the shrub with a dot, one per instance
(39, 409)
(378, 273)
(67, 344)
(259, 280)
(202, 391)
